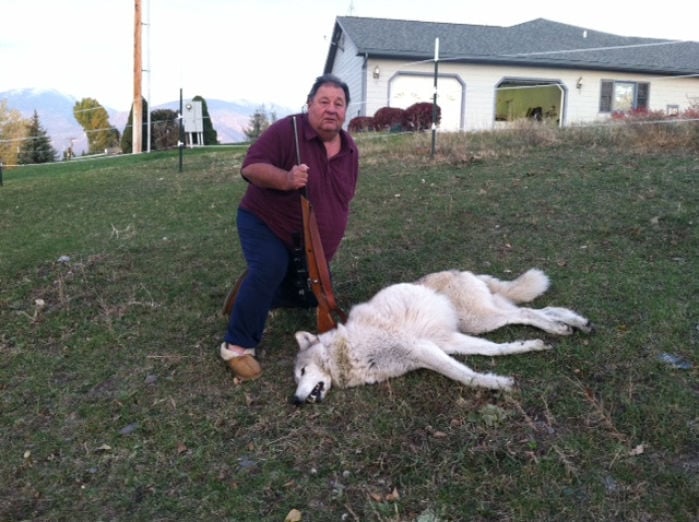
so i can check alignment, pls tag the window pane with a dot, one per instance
(623, 96)
(605, 97)
(642, 96)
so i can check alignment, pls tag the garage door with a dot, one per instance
(409, 89)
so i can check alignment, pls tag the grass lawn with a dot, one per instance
(114, 404)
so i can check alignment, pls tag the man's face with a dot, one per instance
(327, 110)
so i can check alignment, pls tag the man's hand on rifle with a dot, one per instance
(297, 177)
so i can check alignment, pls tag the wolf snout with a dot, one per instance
(316, 395)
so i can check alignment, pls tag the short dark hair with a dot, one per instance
(325, 80)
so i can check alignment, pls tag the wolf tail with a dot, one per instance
(528, 286)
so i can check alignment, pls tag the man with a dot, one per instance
(269, 217)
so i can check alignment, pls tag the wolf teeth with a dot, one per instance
(315, 395)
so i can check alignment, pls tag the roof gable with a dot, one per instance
(537, 42)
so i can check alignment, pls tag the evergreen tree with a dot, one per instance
(37, 147)
(210, 134)
(127, 135)
(95, 121)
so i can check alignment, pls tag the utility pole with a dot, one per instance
(137, 115)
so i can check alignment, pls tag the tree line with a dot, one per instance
(25, 141)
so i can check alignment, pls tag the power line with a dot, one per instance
(597, 49)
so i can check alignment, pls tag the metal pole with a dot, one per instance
(180, 142)
(434, 101)
(148, 100)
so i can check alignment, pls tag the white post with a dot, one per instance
(148, 120)
(434, 100)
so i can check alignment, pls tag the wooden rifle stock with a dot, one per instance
(318, 270)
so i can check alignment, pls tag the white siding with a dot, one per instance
(348, 67)
(479, 88)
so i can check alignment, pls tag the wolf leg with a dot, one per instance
(552, 321)
(468, 345)
(431, 357)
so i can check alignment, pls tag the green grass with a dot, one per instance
(115, 406)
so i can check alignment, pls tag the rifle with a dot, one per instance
(318, 271)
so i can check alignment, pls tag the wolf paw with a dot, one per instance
(566, 321)
(588, 327)
(535, 345)
(504, 383)
(561, 328)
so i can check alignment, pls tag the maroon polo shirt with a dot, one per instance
(331, 182)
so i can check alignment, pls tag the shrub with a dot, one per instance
(388, 118)
(690, 114)
(418, 116)
(361, 124)
(639, 115)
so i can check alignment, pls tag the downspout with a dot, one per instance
(563, 108)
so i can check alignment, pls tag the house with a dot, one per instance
(488, 76)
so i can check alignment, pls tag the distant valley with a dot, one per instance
(55, 110)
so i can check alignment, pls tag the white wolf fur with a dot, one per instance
(408, 326)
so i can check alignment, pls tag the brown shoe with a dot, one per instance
(232, 296)
(244, 366)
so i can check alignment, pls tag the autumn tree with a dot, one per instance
(94, 120)
(13, 130)
(259, 123)
(37, 147)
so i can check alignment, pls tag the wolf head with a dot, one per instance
(313, 380)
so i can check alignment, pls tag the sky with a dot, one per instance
(261, 51)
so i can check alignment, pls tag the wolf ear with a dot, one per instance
(305, 340)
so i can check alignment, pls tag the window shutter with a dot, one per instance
(605, 97)
(642, 94)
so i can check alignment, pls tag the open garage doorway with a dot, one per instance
(522, 98)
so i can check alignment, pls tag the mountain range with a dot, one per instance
(55, 110)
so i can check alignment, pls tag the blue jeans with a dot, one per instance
(270, 282)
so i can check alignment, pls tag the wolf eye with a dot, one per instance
(303, 371)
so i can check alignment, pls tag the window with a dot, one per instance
(622, 96)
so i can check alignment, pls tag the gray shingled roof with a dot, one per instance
(539, 42)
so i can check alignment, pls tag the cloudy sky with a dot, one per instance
(264, 51)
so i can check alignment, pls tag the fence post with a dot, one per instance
(0, 173)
